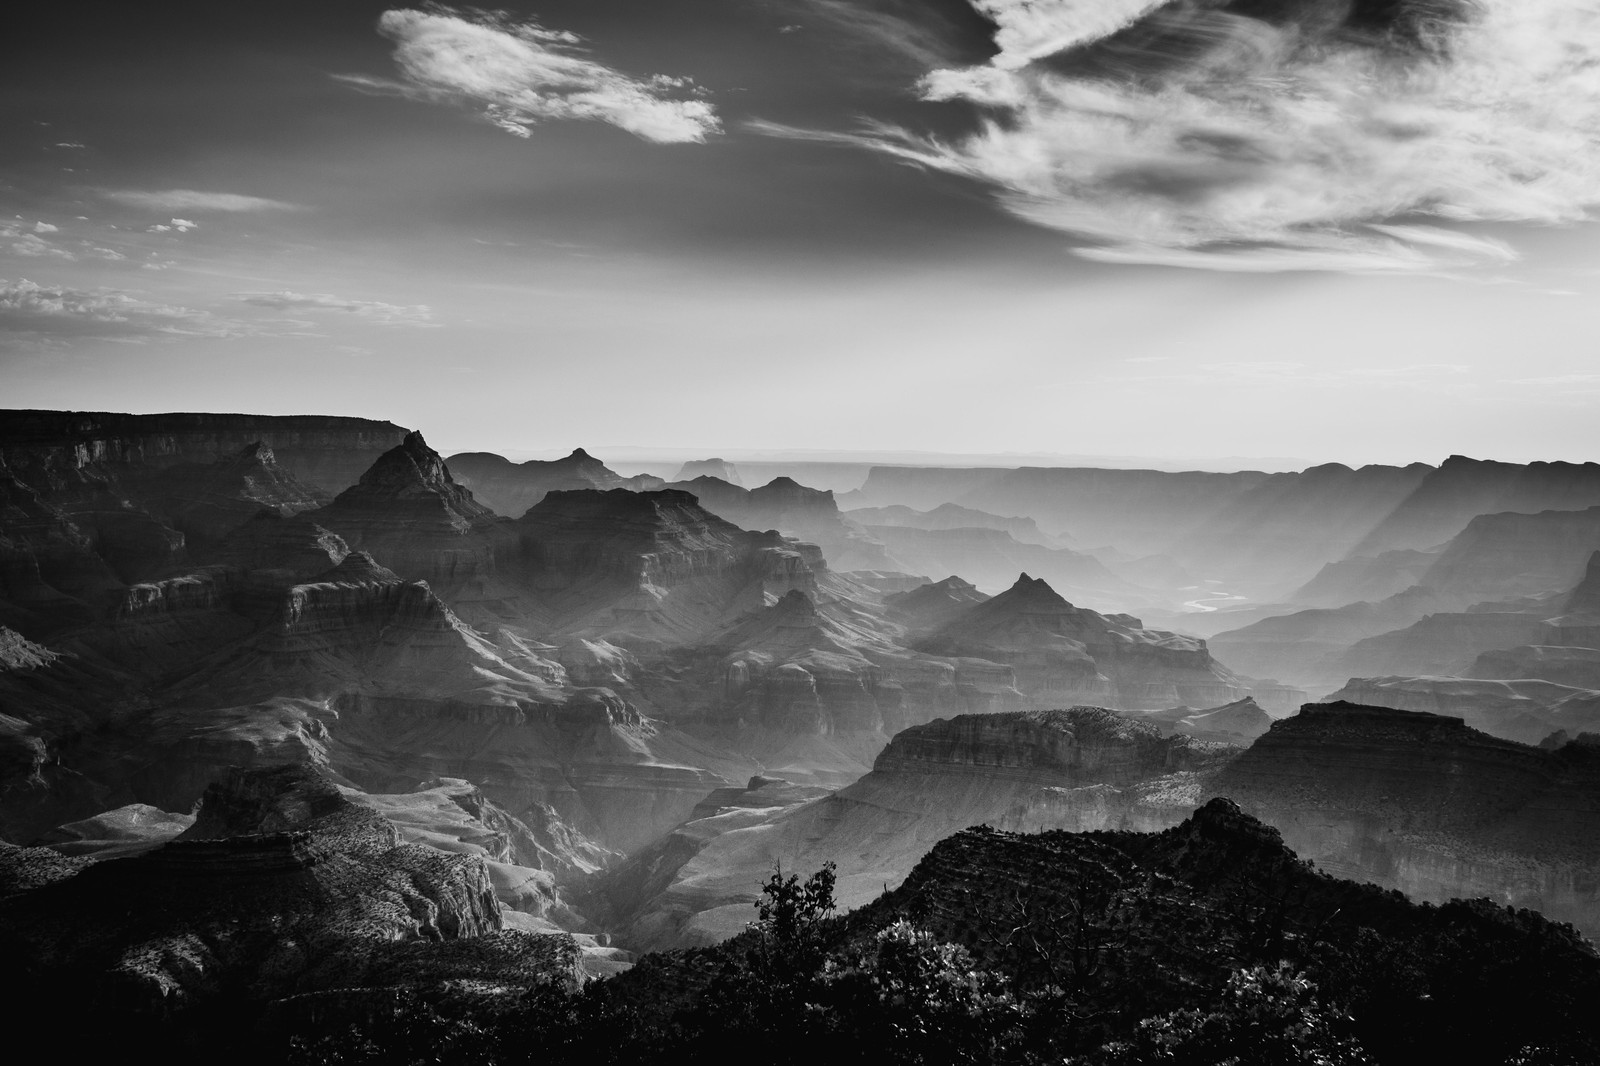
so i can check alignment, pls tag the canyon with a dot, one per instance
(548, 716)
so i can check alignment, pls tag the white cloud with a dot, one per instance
(193, 200)
(385, 314)
(45, 227)
(1204, 138)
(181, 225)
(520, 74)
(32, 309)
(29, 243)
(1034, 29)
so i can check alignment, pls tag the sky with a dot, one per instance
(1338, 230)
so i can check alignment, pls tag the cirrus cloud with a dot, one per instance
(520, 74)
(1197, 135)
(385, 314)
(170, 200)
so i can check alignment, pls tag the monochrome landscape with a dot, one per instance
(926, 531)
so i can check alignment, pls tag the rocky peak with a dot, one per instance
(931, 604)
(408, 509)
(1220, 844)
(787, 492)
(1028, 597)
(408, 468)
(579, 463)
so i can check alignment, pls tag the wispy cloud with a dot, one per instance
(29, 308)
(171, 200)
(896, 30)
(1188, 135)
(385, 314)
(520, 74)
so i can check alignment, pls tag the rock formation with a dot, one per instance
(713, 468)
(991, 559)
(511, 488)
(1423, 803)
(281, 887)
(1303, 647)
(932, 605)
(1501, 556)
(1521, 710)
(1460, 489)
(1066, 654)
(1237, 723)
(327, 453)
(206, 502)
(1082, 769)
(1275, 536)
(410, 513)
(793, 509)
(954, 516)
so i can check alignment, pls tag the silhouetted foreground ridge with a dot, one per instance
(1206, 943)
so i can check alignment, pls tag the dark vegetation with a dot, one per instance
(1206, 944)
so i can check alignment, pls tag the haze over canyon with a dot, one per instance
(1000, 532)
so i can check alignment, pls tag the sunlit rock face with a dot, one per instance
(1423, 803)
(511, 488)
(1079, 769)
(1066, 654)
